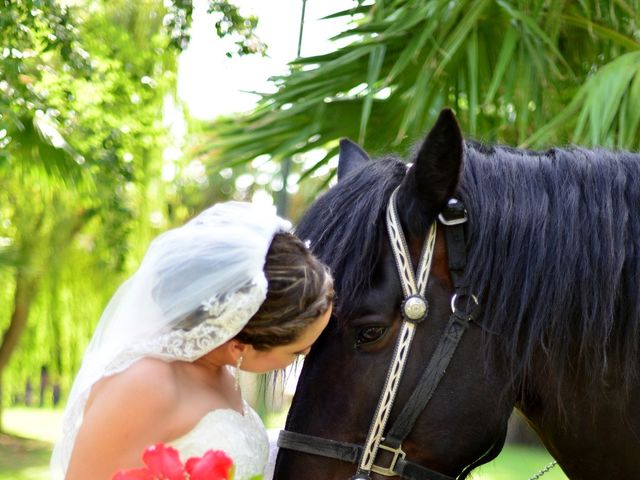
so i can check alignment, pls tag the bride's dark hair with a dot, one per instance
(300, 289)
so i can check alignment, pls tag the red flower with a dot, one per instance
(163, 463)
(213, 465)
(134, 474)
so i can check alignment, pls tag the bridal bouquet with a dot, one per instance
(163, 463)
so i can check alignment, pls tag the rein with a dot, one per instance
(387, 448)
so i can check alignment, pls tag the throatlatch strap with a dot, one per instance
(350, 452)
(299, 442)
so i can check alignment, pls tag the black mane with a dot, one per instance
(554, 251)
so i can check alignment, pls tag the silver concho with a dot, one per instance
(415, 308)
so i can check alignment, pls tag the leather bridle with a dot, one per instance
(387, 449)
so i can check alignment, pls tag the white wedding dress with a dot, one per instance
(241, 436)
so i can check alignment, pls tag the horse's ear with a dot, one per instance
(351, 156)
(433, 177)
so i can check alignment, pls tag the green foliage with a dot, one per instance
(80, 169)
(85, 88)
(519, 72)
(178, 21)
(232, 23)
(31, 33)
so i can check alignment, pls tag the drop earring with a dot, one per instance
(238, 365)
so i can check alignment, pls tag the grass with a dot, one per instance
(518, 463)
(23, 458)
(25, 449)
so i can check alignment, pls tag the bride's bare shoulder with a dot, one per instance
(150, 370)
(126, 412)
(149, 381)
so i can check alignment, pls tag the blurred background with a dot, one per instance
(120, 119)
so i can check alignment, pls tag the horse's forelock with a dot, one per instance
(346, 227)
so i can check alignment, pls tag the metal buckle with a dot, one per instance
(390, 470)
(454, 213)
(454, 302)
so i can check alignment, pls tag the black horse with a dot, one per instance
(553, 247)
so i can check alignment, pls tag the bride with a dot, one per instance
(228, 289)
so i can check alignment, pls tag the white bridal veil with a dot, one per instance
(196, 287)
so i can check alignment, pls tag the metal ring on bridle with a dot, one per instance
(455, 298)
(415, 308)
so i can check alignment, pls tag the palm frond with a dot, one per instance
(605, 111)
(43, 150)
(515, 72)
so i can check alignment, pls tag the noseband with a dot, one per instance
(386, 449)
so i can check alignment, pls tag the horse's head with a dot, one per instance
(465, 420)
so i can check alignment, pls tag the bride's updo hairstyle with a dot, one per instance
(300, 289)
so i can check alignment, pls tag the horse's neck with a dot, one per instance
(590, 440)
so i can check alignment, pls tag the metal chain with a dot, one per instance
(544, 470)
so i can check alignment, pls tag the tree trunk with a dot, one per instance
(25, 292)
(28, 277)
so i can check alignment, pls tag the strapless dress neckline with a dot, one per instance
(241, 436)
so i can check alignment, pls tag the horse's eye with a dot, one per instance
(370, 334)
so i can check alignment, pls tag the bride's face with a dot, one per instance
(260, 361)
